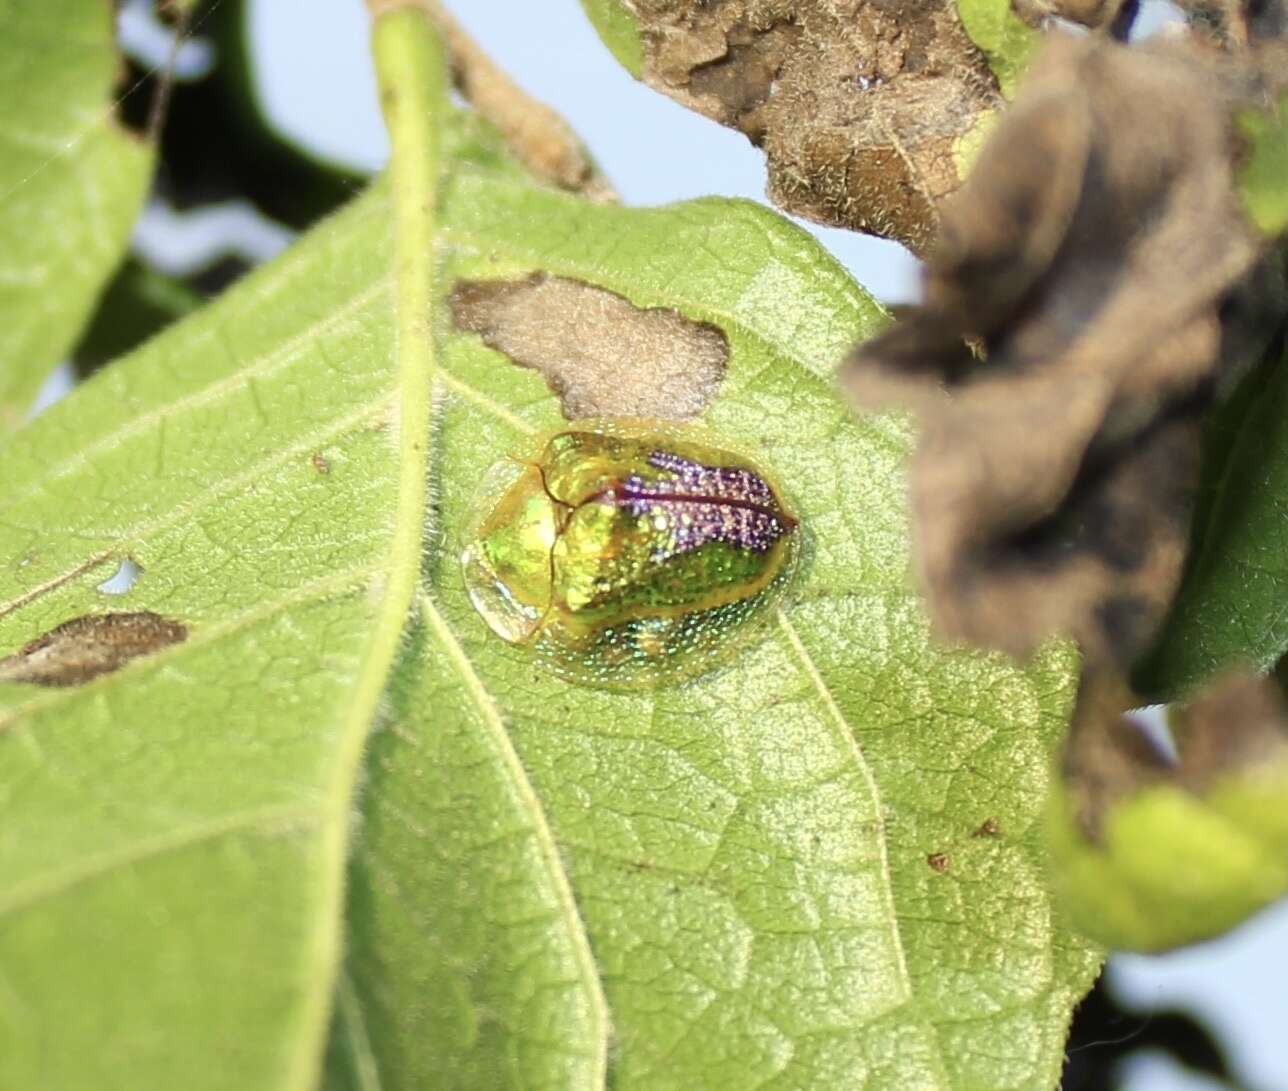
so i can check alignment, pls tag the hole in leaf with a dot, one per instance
(1156, 15)
(54, 389)
(123, 579)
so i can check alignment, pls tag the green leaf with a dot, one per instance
(171, 832)
(1263, 176)
(618, 27)
(1173, 867)
(729, 883)
(1002, 36)
(783, 874)
(175, 834)
(71, 184)
(1229, 610)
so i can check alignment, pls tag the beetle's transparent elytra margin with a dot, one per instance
(628, 553)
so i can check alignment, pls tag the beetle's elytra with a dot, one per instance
(628, 553)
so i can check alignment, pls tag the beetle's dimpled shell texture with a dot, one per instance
(626, 554)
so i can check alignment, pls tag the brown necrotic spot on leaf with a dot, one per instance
(857, 104)
(990, 827)
(85, 647)
(600, 353)
(1230, 730)
(1089, 259)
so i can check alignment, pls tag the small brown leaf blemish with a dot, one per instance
(81, 649)
(939, 861)
(321, 463)
(602, 355)
(990, 827)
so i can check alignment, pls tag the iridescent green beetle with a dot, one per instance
(629, 553)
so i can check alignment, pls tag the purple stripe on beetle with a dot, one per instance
(704, 504)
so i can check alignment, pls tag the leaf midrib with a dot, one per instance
(349, 1016)
(411, 76)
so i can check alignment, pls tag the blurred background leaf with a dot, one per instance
(72, 179)
(1229, 610)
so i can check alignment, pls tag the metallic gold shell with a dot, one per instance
(628, 553)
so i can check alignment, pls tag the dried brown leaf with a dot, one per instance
(535, 134)
(1236, 725)
(542, 140)
(602, 355)
(1091, 257)
(1108, 757)
(85, 647)
(857, 104)
(1088, 13)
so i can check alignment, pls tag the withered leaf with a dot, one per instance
(857, 104)
(1155, 846)
(1237, 24)
(85, 647)
(1090, 257)
(602, 355)
(1231, 728)
(1107, 757)
(1117, 14)
(538, 137)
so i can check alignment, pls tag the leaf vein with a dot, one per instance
(255, 471)
(269, 820)
(492, 718)
(269, 363)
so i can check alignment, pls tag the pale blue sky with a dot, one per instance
(653, 150)
(318, 90)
